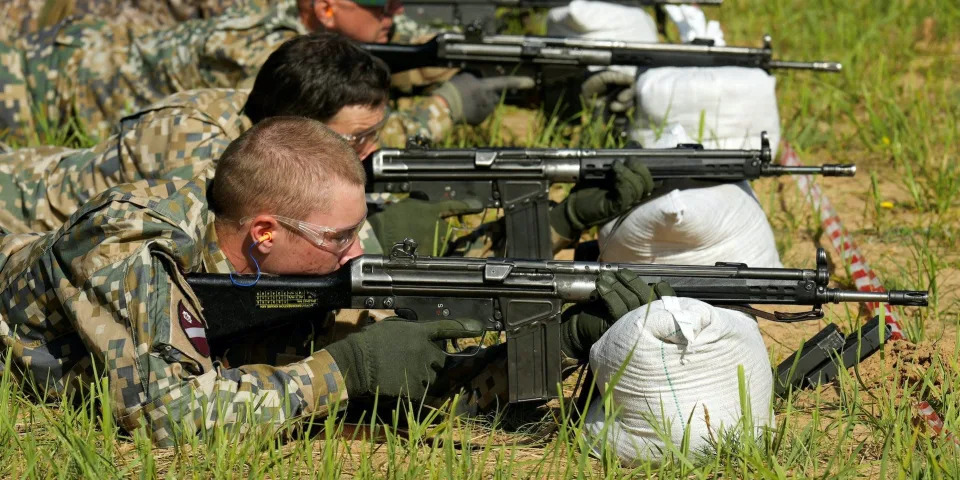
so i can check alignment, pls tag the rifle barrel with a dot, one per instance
(833, 67)
(913, 298)
(828, 170)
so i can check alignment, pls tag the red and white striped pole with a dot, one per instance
(864, 278)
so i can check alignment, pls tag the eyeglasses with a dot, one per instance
(333, 240)
(371, 135)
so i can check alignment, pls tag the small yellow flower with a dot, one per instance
(885, 140)
(886, 204)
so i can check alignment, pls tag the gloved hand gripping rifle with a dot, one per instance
(520, 297)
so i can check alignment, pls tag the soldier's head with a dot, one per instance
(361, 20)
(326, 77)
(289, 194)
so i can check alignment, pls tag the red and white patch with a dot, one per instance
(194, 330)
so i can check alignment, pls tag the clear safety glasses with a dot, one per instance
(366, 137)
(333, 240)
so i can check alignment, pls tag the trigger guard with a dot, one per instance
(471, 351)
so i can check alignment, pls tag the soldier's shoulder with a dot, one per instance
(210, 105)
(202, 98)
(180, 202)
(248, 13)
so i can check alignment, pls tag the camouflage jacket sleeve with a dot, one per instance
(21, 17)
(116, 273)
(17, 125)
(175, 139)
(427, 117)
(135, 67)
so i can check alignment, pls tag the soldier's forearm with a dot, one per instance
(250, 394)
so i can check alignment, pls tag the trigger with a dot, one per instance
(406, 313)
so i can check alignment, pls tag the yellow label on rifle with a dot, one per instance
(269, 299)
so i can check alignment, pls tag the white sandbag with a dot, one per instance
(693, 226)
(601, 20)
(692, 24)
(735, 104)
(685, 355)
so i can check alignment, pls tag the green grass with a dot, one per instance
(840, 432)
(893, 111)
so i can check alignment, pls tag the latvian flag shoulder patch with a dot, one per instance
(193, 328)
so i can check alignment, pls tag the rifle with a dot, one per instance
(473, 49)
(520, 297)
(518, 179)
(467, 12)
(559, 65)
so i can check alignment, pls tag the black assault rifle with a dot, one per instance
(467, 12)
(559, 65)
(518, 179)
(520, 297)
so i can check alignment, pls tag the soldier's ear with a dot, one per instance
(323, 10)
(263, 230)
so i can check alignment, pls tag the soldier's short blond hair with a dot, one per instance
(283, 166)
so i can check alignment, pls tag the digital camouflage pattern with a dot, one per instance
(106, 293)
(96, 70)
(426, 117)
(21, 17)
(173, 139)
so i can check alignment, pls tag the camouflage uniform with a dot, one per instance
(21, 17)
(106, 293)
(95, 70)
(173, 139)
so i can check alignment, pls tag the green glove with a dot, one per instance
(620, 293)
(397, 357)
(419, 220)
(472, 100)
(627, 185)
(612, 89)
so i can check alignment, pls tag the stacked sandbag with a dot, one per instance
(722, 107)
(694, 224)
(680, 359)
(601, 20)
(692, 24)
(604, 21)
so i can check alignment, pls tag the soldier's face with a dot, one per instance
(294, 254)
(360, 126)
(361, 23)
